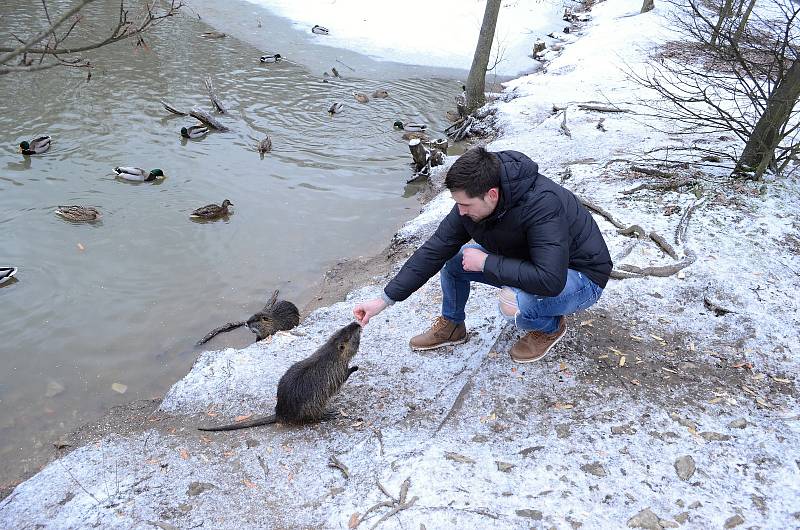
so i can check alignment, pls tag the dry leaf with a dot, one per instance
(354, 520)
(636, 337)
(669, 370)
(635, 382)
(781, 380)
(759, 377)
(564, 406)
(205, 439)
(715, 400)
(614, 350)
(743, 364)
(152, 461)
(81, 247)
(587, 322)
(184, 454)
(761, 402)
(622, 361)
(242, 417)
(604, 356)
(659, 339)
(249, 483)
(513, 369)
(227, 454)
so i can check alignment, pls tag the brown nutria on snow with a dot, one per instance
(277, 315)
(307, 386)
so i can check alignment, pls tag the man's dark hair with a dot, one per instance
(475, 172)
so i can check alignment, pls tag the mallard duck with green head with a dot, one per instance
(414, 127)
(36, 146)
(212, 211)
(78, 214)
(195, 131)
(137, 174)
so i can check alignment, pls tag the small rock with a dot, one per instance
(715, 436)
(480, 438)
(54, 388)
(184, 507)
(119, 388)
(529, 450)
(250, 443)
(455, 457)
(741, 423)
(695, 505)
(196, 488)
(623, 429)
(689, 424)
(666, 523)
(595, 468)
(685, 467)
(505, 467)
(682, 517)
(562, 431)
(680, 503)
(760, 502)
(644, 519)
(536, 515)
(734, 521)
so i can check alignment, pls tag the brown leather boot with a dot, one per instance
(535, 345)
(443, 332)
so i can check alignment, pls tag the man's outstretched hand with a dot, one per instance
(366, 310)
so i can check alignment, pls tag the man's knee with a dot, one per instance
(508, 302)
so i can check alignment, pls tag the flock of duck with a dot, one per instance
(80, 214)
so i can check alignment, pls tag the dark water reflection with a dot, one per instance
(124, 299)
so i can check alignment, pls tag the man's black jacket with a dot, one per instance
(537, 231)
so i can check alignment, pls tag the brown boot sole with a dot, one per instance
(534, 359)
(442, 345)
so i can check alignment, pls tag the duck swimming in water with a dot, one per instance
(319, 30)
(275, 58)
(195, 131)
(361, 98)
(212, 211)
(137, 174)
(415, 127)
(78, 213)
(6, 274)
(36, 146)
(335, 108)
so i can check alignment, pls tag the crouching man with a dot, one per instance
(535, 242)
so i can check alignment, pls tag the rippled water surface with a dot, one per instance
(124, 299)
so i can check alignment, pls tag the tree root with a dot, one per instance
(683, 224)
(335, 463)
(396, 504)
(662, 186)
(632, 271)
(597, 209)
(633, 229)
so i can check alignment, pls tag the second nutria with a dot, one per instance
(307, 386)
(277, 315)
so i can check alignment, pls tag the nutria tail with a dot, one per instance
(255, 422)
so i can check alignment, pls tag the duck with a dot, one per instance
(78, 213)
(6, 274)
(414, 127)
(335, 72)
(137, 174)
(36, 146)
(265, 145)
(335, 108)
(195, 131)
(274, 58)
(416, 135)
(361, 97)
(212, 211)
(319, 30)
(213, 35)
(380, 94)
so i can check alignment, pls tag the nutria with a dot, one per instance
(277, 315)
(307, 386)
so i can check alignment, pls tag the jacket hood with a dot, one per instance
(518, 174)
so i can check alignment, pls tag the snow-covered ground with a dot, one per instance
(426, 33)
(653, 412)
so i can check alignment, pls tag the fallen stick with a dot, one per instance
(599, 108)
(661, 186)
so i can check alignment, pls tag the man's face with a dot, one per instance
(476, 208)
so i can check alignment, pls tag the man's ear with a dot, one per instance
(493, 194)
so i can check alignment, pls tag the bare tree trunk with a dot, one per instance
(476, 82)
(760, 148)
(743, 22)
(647, 5)
(725, 11)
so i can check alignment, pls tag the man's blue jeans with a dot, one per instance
(539, 313)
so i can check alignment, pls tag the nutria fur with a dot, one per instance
(277, 315)
(307, 386)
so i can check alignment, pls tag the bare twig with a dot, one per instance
(335, 463)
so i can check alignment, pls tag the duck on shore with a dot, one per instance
(36, 146)
(212, 211)
(137, 174)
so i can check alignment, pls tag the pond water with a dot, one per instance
(124, 299)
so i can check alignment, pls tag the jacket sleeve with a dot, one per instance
(429, 258)
(547, 232)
